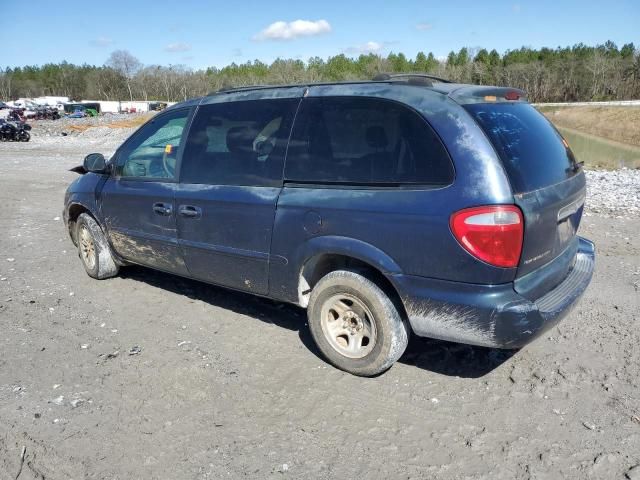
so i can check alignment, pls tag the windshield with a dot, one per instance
(533, 152)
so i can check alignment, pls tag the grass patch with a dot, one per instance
(620, 124)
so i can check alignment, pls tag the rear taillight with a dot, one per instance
(493, 233)
(512, 95)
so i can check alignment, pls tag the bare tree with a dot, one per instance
(126, 64)
(597, 66)
(106, 84)
(5, 86)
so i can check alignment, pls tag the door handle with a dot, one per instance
(190, 211)
(162, 208)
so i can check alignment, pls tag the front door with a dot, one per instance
(138, 199)
(230, 179)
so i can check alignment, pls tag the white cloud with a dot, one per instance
(177, 47)
(369, 47)
(101, 42)
(424, 26)
(289, 30)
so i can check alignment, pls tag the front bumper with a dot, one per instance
(491, 315)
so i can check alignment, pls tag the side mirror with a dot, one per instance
(95, 163)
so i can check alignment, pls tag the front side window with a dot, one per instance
(238, 143)
(368, 141)
(151, 153)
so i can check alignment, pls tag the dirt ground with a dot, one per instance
(152, 376)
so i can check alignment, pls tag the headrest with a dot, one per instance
(199, 139)
(376, 137)
(240, 140)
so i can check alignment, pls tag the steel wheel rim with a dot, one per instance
(87, 247)
(348, 325)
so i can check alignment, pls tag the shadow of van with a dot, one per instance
(445, 358)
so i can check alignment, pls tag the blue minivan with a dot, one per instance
(402, 205)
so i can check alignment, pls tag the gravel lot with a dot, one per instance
(152, 376)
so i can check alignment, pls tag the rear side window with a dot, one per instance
(364, 141)
(238, 143)
(531, 149)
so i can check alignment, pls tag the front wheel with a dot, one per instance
(93, 249)
(355, 324)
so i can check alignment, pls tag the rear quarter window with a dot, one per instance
(364, 141)
(531, 149)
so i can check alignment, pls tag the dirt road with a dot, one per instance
(153, 376)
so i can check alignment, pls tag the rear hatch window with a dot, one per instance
(548, 186)
(533, 152)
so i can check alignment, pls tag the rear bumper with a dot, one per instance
(491, 315)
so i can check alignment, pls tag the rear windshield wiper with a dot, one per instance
(576, 166)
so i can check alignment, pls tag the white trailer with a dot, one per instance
(115, 106)
(51, 100)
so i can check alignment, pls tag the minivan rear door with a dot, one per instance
(547, 182)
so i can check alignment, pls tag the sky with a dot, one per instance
(200, 34)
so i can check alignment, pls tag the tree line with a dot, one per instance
(577, 73)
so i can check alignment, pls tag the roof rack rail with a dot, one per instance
(239, 89)
(385, 77)
(422, 79)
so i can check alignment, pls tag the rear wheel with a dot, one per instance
(355, 324)
(93, 249)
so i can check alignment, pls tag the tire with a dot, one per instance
(25, 136)
(369, 313)
(93, 249)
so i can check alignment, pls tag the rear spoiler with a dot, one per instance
(485, 94)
